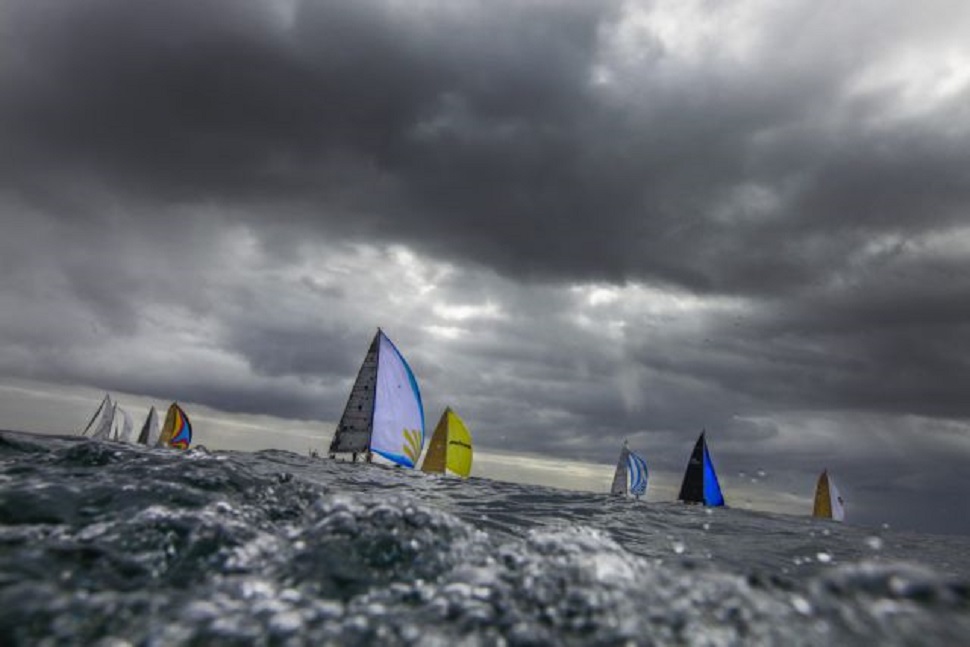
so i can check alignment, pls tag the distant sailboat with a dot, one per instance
(177, 432)
(630, 477)
(450, 449)
(383, 416)
(122, 425)
(150, 431)
(99, 427)
(700, 480)
(828, 501)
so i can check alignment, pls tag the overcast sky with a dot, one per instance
(580, 221)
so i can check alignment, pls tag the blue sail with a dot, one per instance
(637, 469)
(712, 489)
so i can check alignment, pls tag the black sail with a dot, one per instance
(692, 489)
(356, 424)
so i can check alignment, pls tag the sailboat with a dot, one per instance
(450, 448)
(149, 430)
(121, 425)
(828, 501)
(630, 477)
(700, 480)
(177, 431)
(99, 427)
(384, 417)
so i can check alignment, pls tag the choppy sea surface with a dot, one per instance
(103, 543)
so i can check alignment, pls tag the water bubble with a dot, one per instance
(762, 473)
(823, 557)
(885, 526)
(801, 605)
(826, 532)
(875, 543)
(678, 547)
(706, 526)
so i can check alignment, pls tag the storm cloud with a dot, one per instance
(581, 221)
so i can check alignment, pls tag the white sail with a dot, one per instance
(103, 411)
(838, 505)
(103, 429)
(123, 426)
(620, 475)
(398, 421)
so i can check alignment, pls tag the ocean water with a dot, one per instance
(102, 543)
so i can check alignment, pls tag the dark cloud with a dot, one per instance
(220, 201)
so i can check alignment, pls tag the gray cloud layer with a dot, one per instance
(773, 200)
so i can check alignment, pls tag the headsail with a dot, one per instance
(398, 421)
(450, 448)
(631, 473)
(150, 430)
(177, 432)
(103, 411)
(828, 501)
(383, 415)
(123, 425)
(700, 483)
(637, 469)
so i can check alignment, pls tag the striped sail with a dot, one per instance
(397, 433)
(637, 469)
(630, 477)
(828, 500)
(450, 447)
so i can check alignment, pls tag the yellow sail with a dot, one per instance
(168, 429)
(434, 460)
(450, 449)
(459, 455)
(823, 501)
(177, 432)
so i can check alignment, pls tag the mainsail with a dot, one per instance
(100, 422)
(354, 429)
(631, 474)
(700, 480)
(450, 448)
(828, 501)
(177, 432)
(107, 424)
(384, 415)
(150, 430)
